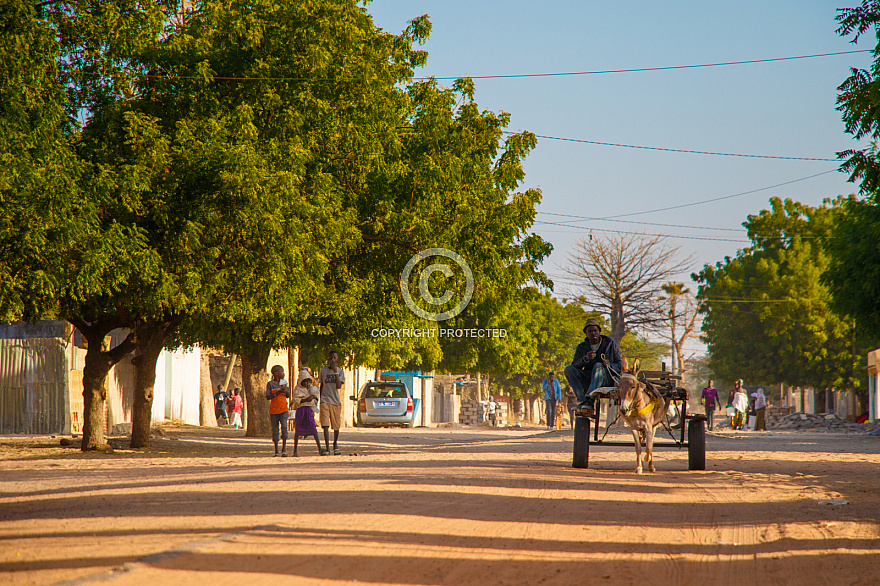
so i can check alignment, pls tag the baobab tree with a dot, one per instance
(621, 275)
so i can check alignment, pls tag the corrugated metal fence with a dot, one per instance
(32, 385)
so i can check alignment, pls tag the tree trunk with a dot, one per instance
(618, 320)
(94, 394)
(150, 339)
(98, 363)
(206, 394)
(254, 378)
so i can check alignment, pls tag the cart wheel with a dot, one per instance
(696, 445)
(581, 442)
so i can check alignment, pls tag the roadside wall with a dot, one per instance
(34, 377)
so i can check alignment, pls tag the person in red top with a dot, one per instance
(234, 404)
(278, 393)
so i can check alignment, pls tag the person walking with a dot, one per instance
(709, 398)
(305, 401)
(220, 413)
(492, 409)
(552, 394)
(740, 404)
(235, 404)
(278, 393)
(332, 381)
(760, 409)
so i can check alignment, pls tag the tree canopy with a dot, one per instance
(259, 174)
(853, 273)
(767, 313)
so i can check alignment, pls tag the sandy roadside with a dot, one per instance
(439, 506)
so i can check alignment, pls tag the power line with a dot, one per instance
(714, 199)
(710, 301)
(496, 76)
(687, 151)
(665, 68)
(589, 218)
(586, 228)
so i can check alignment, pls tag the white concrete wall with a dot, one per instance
(176, 392)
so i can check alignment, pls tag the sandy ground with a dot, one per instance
(439, 506)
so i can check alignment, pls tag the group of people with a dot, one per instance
(740, 406)
(301, 403)
(224, 405)
(305, 400)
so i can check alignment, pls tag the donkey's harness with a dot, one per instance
(644, 410)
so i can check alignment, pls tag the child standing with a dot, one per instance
(278, 393)
(235, 405)
(332, 381)
(305, 399)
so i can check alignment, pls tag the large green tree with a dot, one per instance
(767, 313)
(217, 145)
(56, 252)
(260, 173)
(853, 273)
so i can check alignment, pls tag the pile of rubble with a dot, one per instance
(821, 422)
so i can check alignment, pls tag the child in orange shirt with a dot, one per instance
(278, 393)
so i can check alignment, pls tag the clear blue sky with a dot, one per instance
(782, 108)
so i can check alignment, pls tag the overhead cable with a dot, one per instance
(686, 151)
(590, 218)
(714, 199)
(496, 76)
(664, 68)
(585, 228)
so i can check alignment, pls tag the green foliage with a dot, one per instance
(550, 330)
(858, 100)
(648, 353)
(853, 274)
(266, 170)
(39, 174)
(553, 329)
(767, 314)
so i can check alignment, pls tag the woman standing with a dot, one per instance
(740, 406)
(760, 408)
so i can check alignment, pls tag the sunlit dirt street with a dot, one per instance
(439, 506)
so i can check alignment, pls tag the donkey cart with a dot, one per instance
(667, 385)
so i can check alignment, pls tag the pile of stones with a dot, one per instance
(821, 422)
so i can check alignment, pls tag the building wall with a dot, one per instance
(34, 378)
(874, 385)
(41, 383)
(177, 390)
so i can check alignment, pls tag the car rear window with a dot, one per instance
(389, 392)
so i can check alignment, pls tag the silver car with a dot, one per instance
(385, 403)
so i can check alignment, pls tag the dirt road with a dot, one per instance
(439, 506)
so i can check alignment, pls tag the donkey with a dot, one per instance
(643, 410)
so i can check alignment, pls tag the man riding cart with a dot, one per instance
(588, 370)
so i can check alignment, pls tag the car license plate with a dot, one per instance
(385, 404)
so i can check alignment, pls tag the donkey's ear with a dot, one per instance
(636, 366)
(624, 364)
